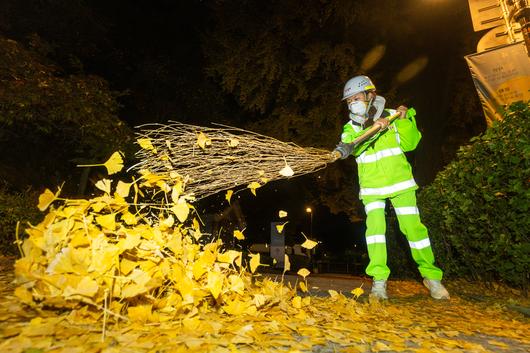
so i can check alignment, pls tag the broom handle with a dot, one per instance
(373, 130)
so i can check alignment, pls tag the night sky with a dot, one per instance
(154, 52)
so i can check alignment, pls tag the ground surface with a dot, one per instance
(476, 319)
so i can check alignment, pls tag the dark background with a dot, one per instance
(214, 61)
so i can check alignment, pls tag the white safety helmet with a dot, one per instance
(357, 84)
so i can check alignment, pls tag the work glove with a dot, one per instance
(342, 151)
(402, 110)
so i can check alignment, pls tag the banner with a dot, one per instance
(501, 77)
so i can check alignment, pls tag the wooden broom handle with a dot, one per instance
(373, 130)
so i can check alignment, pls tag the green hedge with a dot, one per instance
(478, 208)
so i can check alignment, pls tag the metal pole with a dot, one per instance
(311, 223)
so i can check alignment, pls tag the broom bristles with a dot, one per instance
(228, 158)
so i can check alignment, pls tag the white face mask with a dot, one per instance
(358, 108)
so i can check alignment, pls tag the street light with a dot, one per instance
(310, 211)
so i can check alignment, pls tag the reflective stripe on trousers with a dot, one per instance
(409, 224)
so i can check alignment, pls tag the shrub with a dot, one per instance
(477, 208)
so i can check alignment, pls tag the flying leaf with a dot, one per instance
(104, 185)
(279, 227)
(304, 272)
(181, 210)
(45, 199)
(357, 292)
(253, 186)
(203, 141)
(114, 163)
(287, 171)
(254, 262)
(177, 190)
(228, 195)
(146, 144)
(238, 235)
(286, 263)
(309, 244)
(282, 214)
(303, 287)
(123, 189)
(233, 142)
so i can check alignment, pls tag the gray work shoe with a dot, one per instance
(437, 289)
(379, 289)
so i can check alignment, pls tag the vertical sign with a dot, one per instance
(277, 248)
(501, 77)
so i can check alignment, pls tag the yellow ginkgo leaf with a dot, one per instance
(228, 195)
(282, 214)
(123, 189)
(236, 284)
(333, 293)
(233, 142)
(286, 171)
(104, 185)
(297, 302)
(254, 262)
(215, 283)
(303, 287)
(229, 256)
(279, 227)
(181, 210)
(107, 221)
(45, 199)
(114, 164)
(253, 186)
(167, 223)
(238, 235)
(236, 307)
(177, 190)
(86, 287)
(259, 300)
(304, 272)
(203, 141)
(129, 219)
(357, 292)
(309, 244)
(286, 263)
(146, 144)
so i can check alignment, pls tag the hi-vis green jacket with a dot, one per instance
(383, 168)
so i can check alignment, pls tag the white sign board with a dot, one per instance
(485, 14)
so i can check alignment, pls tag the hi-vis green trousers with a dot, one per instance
(409, 224)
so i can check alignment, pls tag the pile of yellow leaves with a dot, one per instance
(139, 276)
(142, 260)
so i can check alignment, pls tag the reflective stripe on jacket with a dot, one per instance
(382, 166)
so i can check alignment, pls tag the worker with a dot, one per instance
(385, 173)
